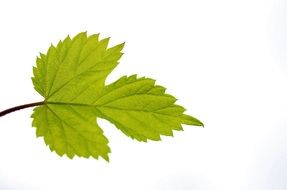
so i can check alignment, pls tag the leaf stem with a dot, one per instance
(16, 108)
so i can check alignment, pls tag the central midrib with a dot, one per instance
(71, 104)
(109, 107)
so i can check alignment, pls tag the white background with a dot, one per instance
(225, 60)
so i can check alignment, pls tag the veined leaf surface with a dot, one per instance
(71, 77)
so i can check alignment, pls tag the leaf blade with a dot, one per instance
(71, 77)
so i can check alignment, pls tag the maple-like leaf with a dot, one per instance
(71, 77)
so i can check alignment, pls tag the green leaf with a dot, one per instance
(71, 77)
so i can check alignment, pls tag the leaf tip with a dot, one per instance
(189, 120)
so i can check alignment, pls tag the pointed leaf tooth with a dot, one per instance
(59, 45)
